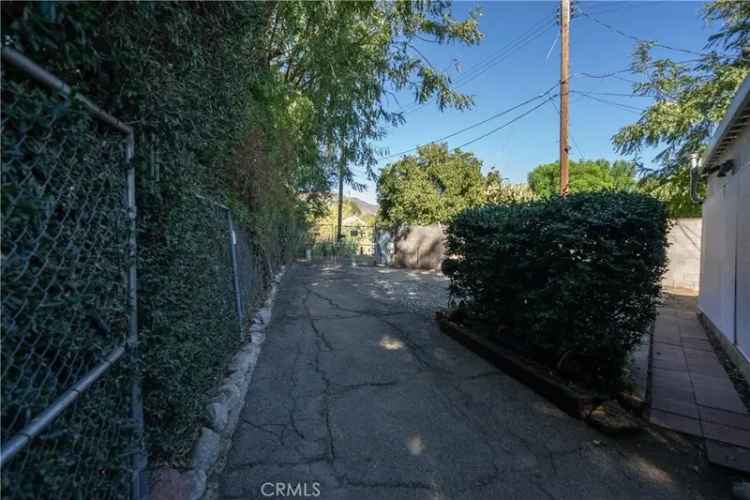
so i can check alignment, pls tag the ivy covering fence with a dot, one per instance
(64, 266)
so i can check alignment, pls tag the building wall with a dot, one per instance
(423, 247)
(725, 263)
(684, 253)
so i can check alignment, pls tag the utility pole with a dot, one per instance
(564, 92)
(341, 193)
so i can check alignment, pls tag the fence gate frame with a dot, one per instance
(139, 485)
(233, 254)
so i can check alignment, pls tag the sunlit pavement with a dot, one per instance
(357, 395)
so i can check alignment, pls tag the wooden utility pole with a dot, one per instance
(341, 194)
(564, 92)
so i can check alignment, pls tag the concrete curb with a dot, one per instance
(222, 415)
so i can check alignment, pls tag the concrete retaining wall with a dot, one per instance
(420, 247)
(423, 247)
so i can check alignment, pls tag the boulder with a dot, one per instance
(206, 450)
(218, 415)
(170, 484)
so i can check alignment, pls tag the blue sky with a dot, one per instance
(531, 67)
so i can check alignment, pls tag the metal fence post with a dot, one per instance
(235, 272)
(139, 483)
(40, 422)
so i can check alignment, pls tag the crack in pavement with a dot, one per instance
(426, 426)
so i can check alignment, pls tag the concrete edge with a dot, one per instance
(222, 414)
(739, 361)
(575, 403)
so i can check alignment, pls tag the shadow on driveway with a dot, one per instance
(358, 394)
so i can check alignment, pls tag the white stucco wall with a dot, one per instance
(725, 261)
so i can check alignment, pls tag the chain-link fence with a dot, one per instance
(72, 371)
(71, 411)
(356, 239)
(246, 268)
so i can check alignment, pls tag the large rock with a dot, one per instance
(218, 415)
(170, 484)
(229, 393)
(258, 336)
(198, 480)
(264, 315)
(206, 450)
(610, 418)
(241, 361)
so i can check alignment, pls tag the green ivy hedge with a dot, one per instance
(574, 277)
(183, 76)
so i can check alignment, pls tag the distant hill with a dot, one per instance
(366, 208)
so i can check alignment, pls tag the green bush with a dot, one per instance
(576, 276)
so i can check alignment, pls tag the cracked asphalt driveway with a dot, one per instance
(356, 389)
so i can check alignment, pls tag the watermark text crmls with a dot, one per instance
(281, 489)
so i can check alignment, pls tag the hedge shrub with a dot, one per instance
(576, 276)
(186, 77)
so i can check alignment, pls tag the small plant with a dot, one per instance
(575, 280)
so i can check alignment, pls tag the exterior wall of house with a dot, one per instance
(725, 261)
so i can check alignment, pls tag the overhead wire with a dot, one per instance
(626, 107)
(532, 33)
(482, 122)
(636, 38)
(506, 124)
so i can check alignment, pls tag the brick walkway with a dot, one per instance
(690, 390)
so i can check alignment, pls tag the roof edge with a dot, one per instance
(739, 109)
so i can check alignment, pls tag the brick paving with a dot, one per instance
(691, 392)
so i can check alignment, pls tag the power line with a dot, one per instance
(513, 120)
(507, 54)
(477, 124)
(532, 33)
(617, 94)
(479, 69)
(630, 69)
(626, 107)
(638, 39)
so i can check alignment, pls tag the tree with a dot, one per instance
(341, 60)
(431, 186)
(689, 97)
(585, 175)
(674, 190)
(497, 191)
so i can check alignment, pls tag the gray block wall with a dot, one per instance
(420, 247)
(684, 255)
(423, 247)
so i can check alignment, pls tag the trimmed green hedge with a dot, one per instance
(574, 277)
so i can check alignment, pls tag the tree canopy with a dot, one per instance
(336, 62)
(431, 186)
(690, 96)
(585, 175)
(498, 191)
